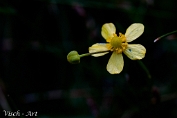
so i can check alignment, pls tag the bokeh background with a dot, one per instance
(37, 35)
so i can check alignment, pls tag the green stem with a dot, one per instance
(165, 35)
(88, 54)
(145, 69)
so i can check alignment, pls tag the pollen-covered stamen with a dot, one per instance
(118, 43)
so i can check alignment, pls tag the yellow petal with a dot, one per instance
(97, 48)
(115, 63)
(135, 51)
(134, 31)
(107, 31)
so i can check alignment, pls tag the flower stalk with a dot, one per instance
(74, 58)
(144, 68)
(167, 34)
(89, 54)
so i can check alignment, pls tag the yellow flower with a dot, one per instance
(118, 44)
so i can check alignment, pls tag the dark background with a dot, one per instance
(37, 35)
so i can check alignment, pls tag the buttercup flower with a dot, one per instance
(118, 44)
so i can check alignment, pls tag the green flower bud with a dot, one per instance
(73, 57)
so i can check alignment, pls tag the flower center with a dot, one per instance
(118, 43)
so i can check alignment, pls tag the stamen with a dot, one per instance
(117, 43)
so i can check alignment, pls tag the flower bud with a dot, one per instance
(73, 57)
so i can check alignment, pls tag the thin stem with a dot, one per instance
(165, 35)
(88, 54)
(145, 69)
